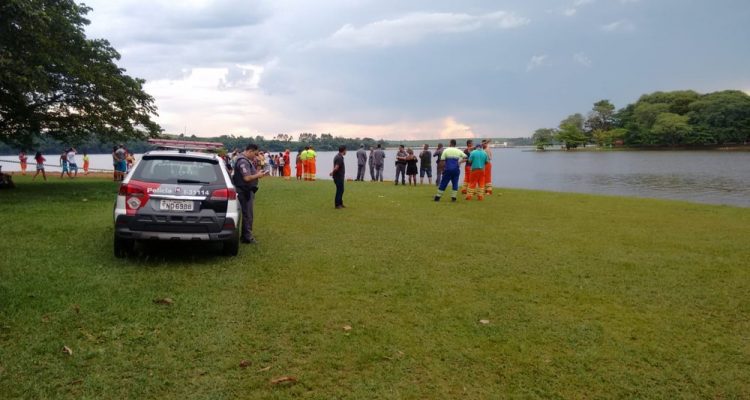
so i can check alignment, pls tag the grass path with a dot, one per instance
(586, 297)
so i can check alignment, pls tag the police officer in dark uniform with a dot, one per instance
(245, 180)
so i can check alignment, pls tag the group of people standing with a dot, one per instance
(477, 170)
(274, 164)
(279, 164)
(408, 165)
(306, 164)
(68, 163)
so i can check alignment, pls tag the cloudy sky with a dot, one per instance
(416, 69)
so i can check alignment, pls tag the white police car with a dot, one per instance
(177, 195)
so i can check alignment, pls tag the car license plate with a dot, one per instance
(176, 205)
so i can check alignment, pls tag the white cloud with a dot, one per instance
(582, 59)
(242, 77)
(443, 128)
(535, 62)
(412, 28)
(455, 129)
(621, 25)
(573, 9)
(194, 104)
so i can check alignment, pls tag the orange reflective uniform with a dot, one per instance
(476, 184)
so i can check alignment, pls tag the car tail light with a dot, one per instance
(224, 194)
(136, 196)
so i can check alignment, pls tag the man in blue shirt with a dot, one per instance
(477, 161)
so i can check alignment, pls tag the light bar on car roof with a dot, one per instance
(185, 144)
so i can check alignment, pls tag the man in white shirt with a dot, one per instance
(73, 167)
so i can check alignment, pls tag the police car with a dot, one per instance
(177, 193)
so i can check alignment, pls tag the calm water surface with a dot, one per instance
(714, 177)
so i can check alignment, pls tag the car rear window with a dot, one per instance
(166, 169)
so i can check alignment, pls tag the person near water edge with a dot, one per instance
(23, 159)
(86, 163)
(401, 165)
(453, 158)
(477, 162)
(39, 158)
(339, 176)
(439, 164)
(378, 158)
(370, 163)
(487, 168)
(467, 168)
(411, 167)
(425, 164)
(287, 165)
(299, 166)
(361, 162)
(312, 159)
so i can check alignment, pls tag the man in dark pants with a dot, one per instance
(338, 174)
(361, 161)
(370, 161)
(378, 157)
(245, 180)
(401, 165)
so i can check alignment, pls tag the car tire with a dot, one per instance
(231, 247)
(123, 247)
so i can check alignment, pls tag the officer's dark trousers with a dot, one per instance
(339, 200)
(372, 172)
(246, 205)
(360, 172)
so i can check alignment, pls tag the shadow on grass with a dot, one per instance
(176, 254)
(61, 189)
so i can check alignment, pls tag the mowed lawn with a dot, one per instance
(525, 295)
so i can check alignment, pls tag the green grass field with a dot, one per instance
(586, 297)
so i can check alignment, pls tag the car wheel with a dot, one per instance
(232, 246)
(123, 247)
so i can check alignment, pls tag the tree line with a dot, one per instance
(659, 119)
(279, 143)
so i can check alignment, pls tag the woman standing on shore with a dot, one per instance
(39, 165)
(411, 167)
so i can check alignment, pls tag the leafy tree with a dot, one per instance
(670, 129)
(645, 115)
(721, 117)
(55, 82)
(308, 137)
(609, 137)
(678, 102)
(601, 117)
(543, 137)
(571, 131)
(575, 120)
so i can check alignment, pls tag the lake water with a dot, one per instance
(715, 177)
